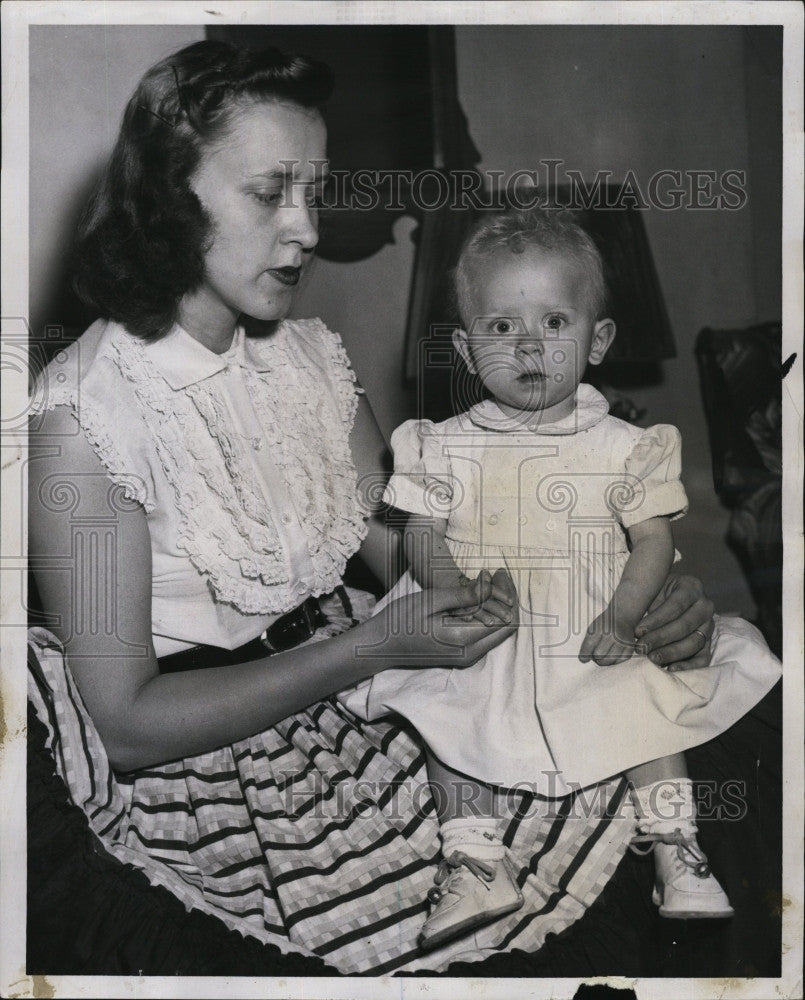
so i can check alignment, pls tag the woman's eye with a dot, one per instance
(268, 197)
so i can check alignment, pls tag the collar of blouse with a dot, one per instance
(183, 361)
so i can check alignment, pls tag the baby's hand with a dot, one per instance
(497, 599)
(608, 642)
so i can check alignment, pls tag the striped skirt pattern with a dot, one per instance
(319, 835)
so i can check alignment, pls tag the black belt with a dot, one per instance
(286, 632)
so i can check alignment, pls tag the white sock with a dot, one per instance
(665, 806)
(476, 836)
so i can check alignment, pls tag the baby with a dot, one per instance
(577, 506)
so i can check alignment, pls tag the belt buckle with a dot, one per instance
(293, 628)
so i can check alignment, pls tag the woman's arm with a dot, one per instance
(371, 457)
(610, 638)
(102, 607)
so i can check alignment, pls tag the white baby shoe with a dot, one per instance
(467, 894)
(685, 888)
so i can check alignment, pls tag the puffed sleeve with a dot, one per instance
(656, 461)
(422, 482)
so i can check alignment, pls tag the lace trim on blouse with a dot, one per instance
(227, 529)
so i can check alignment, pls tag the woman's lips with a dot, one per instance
(286, 275)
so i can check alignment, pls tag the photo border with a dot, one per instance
(17, 17)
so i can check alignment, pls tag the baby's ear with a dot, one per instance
(462, 345)
(603, 335)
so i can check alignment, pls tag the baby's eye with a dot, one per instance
(554, 322)
(502, 326)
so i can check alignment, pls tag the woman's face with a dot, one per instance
(259, 186)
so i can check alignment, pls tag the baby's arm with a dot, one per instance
(427, 553)
(611, 637)
(432, 566)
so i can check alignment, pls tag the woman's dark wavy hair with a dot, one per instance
(142, 239)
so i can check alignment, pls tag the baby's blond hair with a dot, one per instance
(554, 231)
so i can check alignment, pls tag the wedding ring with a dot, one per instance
(704, 637)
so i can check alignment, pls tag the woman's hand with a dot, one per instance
(440, 628)
(679, 625)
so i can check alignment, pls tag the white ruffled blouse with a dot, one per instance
(241, 462)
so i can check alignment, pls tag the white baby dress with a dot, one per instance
(551, 503)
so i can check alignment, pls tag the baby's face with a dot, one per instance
(533, 331)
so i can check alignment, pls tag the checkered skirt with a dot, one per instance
(319, 835)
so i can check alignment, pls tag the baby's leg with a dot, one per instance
(661, 769)
(475, 883)
(456, 796)
(666, 810)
